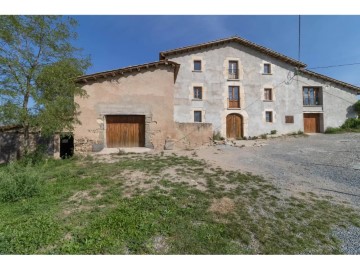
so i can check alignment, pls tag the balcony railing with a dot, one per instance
(233, 103)
(233, 74)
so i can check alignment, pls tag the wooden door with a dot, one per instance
(233, 126)
(311, 123)
(234, 98)
(125, 131)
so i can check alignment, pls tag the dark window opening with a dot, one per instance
(197, 116)
(66, 146)
(267, 69)
(197, 65)
(269, 117)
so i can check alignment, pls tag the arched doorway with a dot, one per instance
(234, 126)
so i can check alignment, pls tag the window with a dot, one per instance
(197, 116)
(233, 70)
(234, 98)
(197, 92)
(267, 69)
(289, 119)
(311, 96)
(268, 94)
(197, 65)
(269, 117)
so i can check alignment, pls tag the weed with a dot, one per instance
(263, 136)
(274, 131)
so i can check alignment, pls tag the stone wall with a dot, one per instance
(11, 144)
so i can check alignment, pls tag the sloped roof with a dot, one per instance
(130, 69)
(326, 78)
(236, 39)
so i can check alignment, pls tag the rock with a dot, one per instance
(169, 144)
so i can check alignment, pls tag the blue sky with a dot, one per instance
(119, 41)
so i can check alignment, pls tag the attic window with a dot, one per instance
(267, 68)
(197, 65)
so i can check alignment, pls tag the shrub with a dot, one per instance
(263, 136)
(273, 131)
(217, 136)
(19, 182)
(300, 132)
(332, 130)
(357, 107)
(351, 123)
(37, 156)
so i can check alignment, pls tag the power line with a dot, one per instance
(351, 64)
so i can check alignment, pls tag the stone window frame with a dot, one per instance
(201, 116)
(270, 71)
(201, 92)
(197, 70)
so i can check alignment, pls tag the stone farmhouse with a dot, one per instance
(231, 86)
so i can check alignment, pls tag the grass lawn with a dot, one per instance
(155, 204)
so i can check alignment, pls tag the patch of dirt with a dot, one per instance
(222, 206)
(172, 175)
(78, 201)
(160, 245)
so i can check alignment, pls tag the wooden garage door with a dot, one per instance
(311, 123)
(125, 131)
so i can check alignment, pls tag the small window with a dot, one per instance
(289, 119)
(197, 92)
(268, 94)
(267, 69)
(358, 95)
(197, 116)
(197, 65)
(233, 70)
(269, 117)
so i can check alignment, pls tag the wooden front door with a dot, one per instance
(125, 131)
(311, 122)
(233, 126)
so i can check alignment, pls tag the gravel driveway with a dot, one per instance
(327, 165)
(322, 164)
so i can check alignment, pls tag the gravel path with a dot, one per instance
(323, 164)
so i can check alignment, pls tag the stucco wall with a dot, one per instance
(147, 92)
(287, 91)
(337, 103)
(192, 135)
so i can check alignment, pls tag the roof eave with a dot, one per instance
(122, 71)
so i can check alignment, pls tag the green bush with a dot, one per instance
(273, 131)
(332, 130)
(35, 157)
(357, 107)
(18, 182)
(217, 136)
(351, 123)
